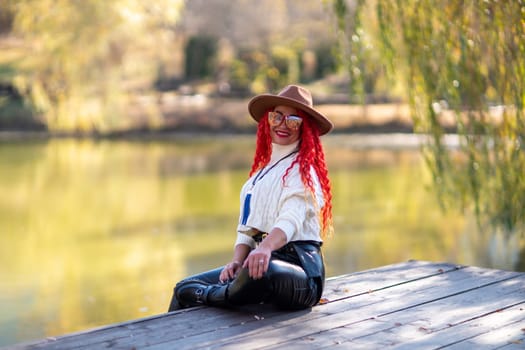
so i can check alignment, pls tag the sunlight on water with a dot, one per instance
(98, 232)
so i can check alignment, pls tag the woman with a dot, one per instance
(286, 212)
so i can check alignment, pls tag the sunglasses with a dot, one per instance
(292, 122)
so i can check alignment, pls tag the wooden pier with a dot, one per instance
(412, 305)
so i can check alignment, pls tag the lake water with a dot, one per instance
(97, 232)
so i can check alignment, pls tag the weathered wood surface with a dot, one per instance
(412, 305)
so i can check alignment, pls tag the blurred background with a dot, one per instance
(125, 139)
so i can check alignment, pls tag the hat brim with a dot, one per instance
(260, 104)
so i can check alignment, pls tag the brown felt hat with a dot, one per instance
(293, 96)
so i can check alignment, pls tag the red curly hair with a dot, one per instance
(311, 154)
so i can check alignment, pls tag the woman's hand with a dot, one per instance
(230, 271)
(257, 262)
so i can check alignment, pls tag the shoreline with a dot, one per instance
(386, 125)
(351, 140)
(216, 116)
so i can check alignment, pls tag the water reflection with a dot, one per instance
(96, 232)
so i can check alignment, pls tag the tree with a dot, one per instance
(465, 60)
(81, 59)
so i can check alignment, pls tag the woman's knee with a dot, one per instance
(246, 290)
(282, 270)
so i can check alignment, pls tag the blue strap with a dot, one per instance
(246, 208)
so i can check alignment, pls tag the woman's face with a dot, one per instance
(281, 134)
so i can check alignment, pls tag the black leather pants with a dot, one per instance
(288, 283)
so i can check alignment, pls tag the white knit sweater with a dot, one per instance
(290, 207)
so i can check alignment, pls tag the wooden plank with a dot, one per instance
(423, 334)
(374, 324)
(508, 336)
(417, 327)
(366, 281)
(450, 283)
(255, 328)
(247, 331)
(410, 301)
(361, 309)
(517, 344)
(453, 317)
(375, 279)
(195, 320)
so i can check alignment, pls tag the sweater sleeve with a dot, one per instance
(298, 207)
(245, 239)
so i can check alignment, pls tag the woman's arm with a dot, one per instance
(259, 258)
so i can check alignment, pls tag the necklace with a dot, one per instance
(258, 177)
(260, 174)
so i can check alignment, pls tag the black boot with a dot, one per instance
(216, 295)
(191, 293)
(195, 293)
(174, 304)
